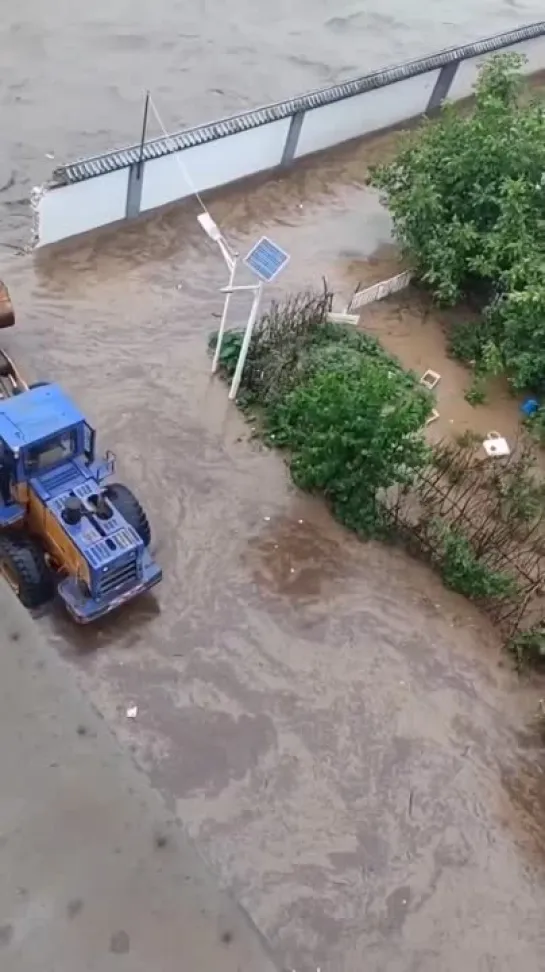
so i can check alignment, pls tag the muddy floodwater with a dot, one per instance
(341, 736)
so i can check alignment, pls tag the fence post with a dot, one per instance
(136, 170)
(442, 87)
(292, 138)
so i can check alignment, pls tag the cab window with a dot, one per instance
(52, 451)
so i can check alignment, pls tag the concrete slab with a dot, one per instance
(95, 875)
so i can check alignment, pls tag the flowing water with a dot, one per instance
(339, 734)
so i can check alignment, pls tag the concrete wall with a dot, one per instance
(213, 164)
(365, 113)
(120, 185)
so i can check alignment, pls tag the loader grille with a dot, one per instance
(118, 578)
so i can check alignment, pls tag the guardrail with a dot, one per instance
(115, 186)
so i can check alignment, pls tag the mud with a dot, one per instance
(339, 734)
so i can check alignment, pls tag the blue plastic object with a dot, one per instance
(529, 407)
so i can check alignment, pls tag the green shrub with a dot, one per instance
(528, 647)
(464, 342)
(353, 426)
(349, 415)
(466, 194)
(476, 393)
(463, 571)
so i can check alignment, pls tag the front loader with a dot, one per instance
(61, 528)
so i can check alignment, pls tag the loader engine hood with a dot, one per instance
(110, 547)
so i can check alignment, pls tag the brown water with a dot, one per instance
(412, 328)
(337, 732)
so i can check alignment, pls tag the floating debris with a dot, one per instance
(495, 445)
(430, 379)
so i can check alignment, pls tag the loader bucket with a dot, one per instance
(7, 317)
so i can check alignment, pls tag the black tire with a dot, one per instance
(131, 510)
(24, 567)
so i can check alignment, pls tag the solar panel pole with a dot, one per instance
(252, 317)
(230, 257)
(224, 313)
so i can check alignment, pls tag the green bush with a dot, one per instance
(462, 569)
(528, 647)
(476, 393)
(349, 415)
(467, 197)
(353, 427)
(464, 342)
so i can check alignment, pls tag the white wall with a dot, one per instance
(68, 210)
(77, 208)
(365, 113)
(213, 164)
(467, 73)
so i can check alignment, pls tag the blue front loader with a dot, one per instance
(56, 514)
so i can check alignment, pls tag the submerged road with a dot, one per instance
(333, 729)
(330, 726)
(96, 875)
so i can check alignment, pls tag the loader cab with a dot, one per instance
(50, 452)
(40, 430)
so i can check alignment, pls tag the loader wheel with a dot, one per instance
(131, 510)
(23, 565)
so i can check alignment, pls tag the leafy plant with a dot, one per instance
(465, 342)
(353, 427)
(230, 349)
(467, 197)
(476, 393)
(464, 571)
(528, 647)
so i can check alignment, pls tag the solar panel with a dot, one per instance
(266, 259)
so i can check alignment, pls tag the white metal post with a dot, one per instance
(246, 342)
(221, 331)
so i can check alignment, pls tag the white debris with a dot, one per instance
(132, 712)
(36, 195)
(430, 379)
(434, 415)
(495, 445)
(49, 155)
(343, 317)
(267, 518)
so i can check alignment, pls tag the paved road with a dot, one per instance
(96, 875)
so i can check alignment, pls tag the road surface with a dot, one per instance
(96, 874)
